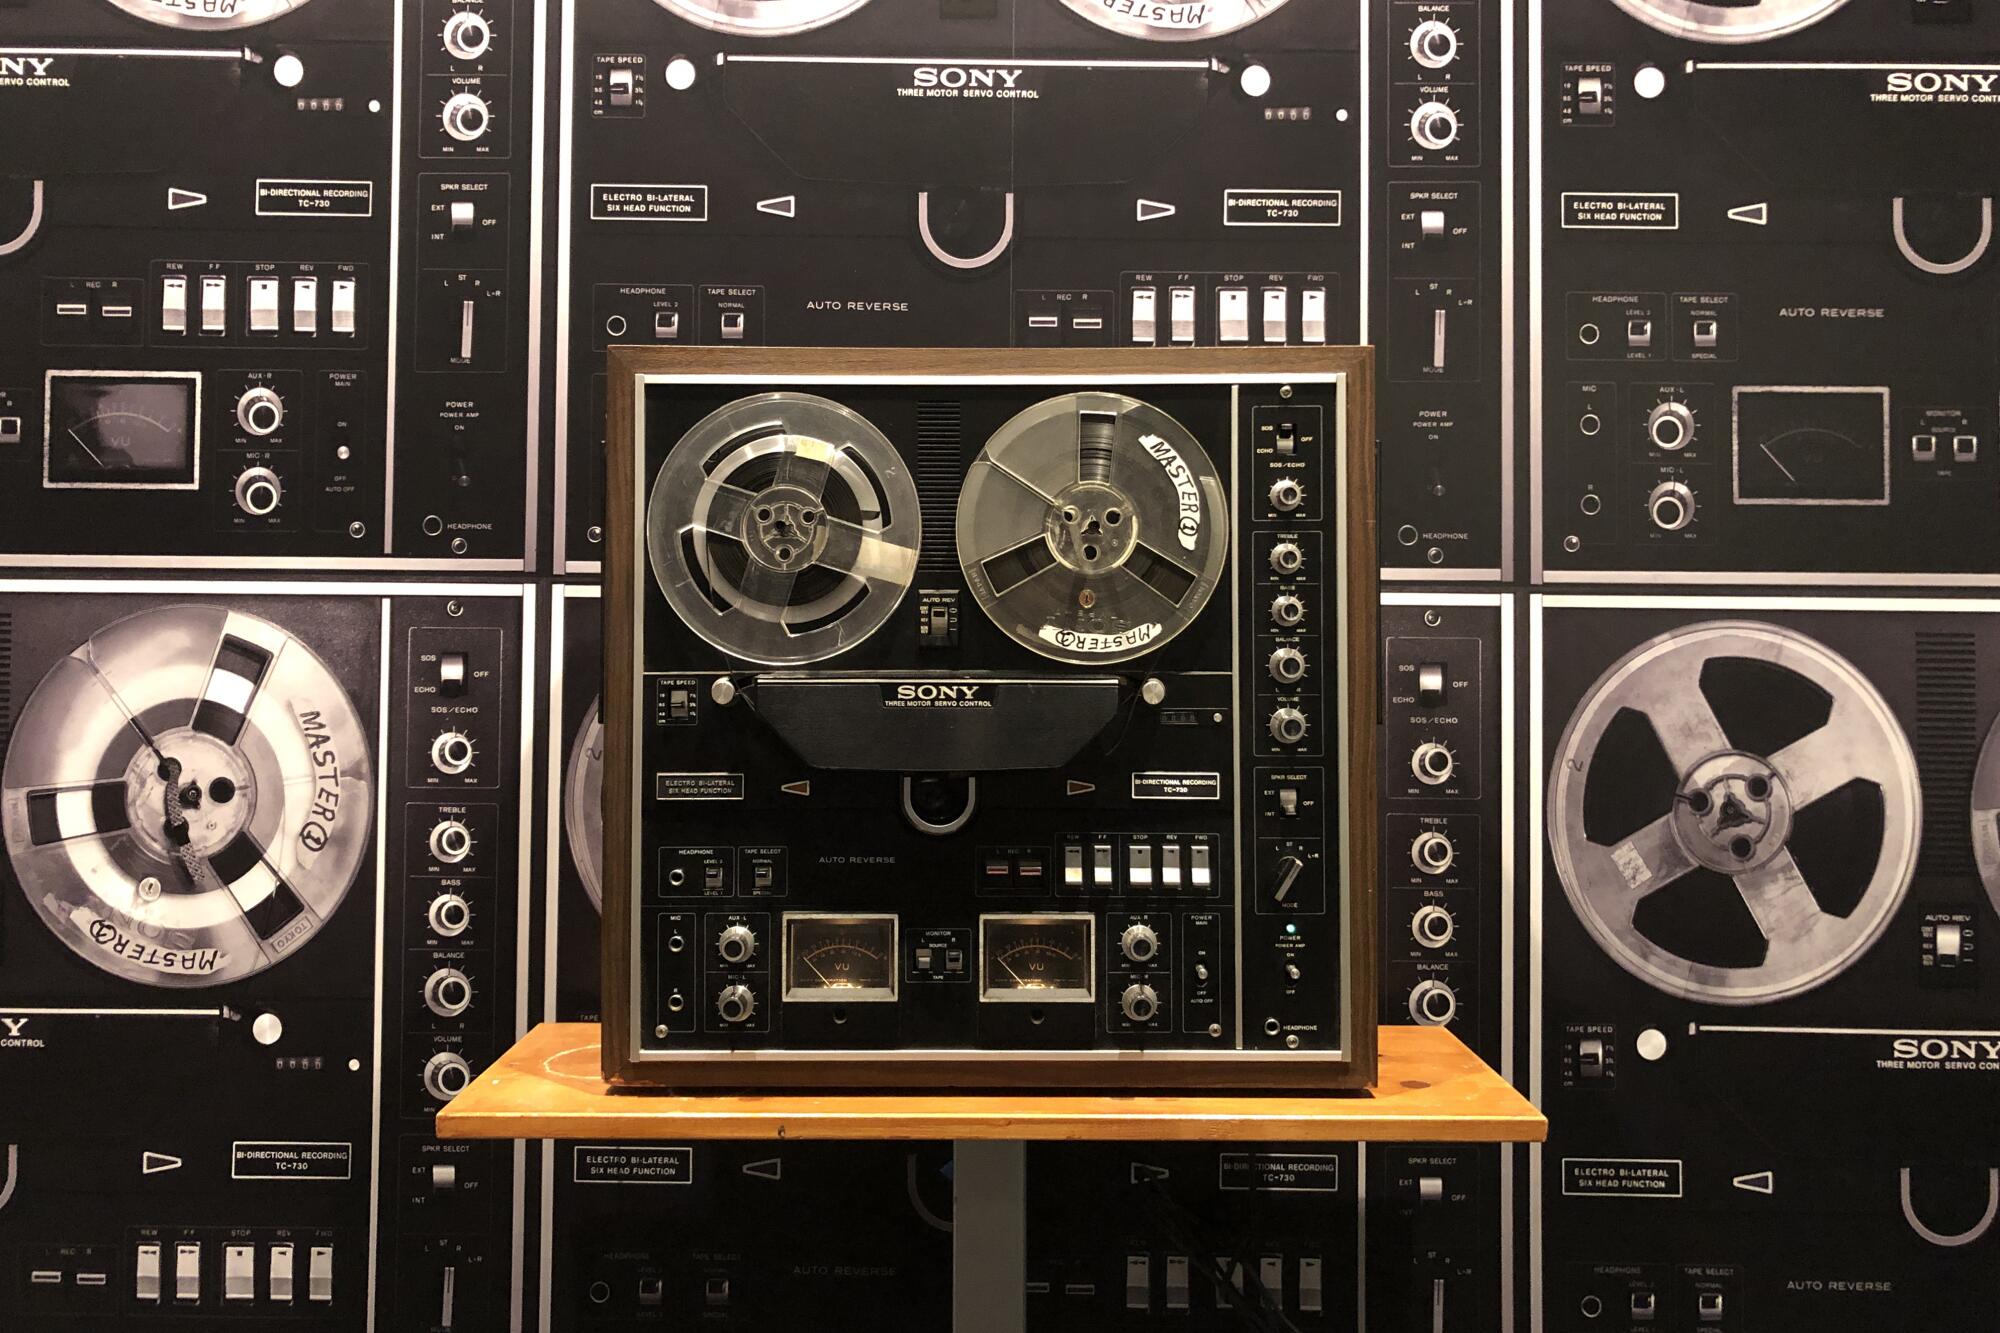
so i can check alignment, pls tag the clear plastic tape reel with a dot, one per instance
(583, 803)
(1727, 24)
(187, 796)
(208, 15)
(1174, 21)
(1986, 814)
(1092, 528)
(761, 18)
(783, 528)
(1734, 813)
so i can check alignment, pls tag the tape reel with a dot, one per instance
(187, 796)
(583, 803)
(1092, 528)
(1182, 22)
(783, 528)
(1986, 814)
(761, 18)
(1728, 24)
(212, 16)
(1734, 813)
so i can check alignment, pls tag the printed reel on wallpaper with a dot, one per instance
(583, 803)
(1156, 23)
(1734, 813)
(208, 15)
(784, 528)
(187, 796)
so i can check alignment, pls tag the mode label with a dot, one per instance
(649, 203)
(1294, 1173)
(315, 199)
(1585, 210)
(1177, 786)
(621, 1164)
(1622, 1177)
(259, 1160)
(1281, 208)
(697, 786)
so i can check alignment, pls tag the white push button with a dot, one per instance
(173, 305)
(342, 320)
(305, 305)
(1102, 872)
(146, 1273)
(1277, 314)
(1073, 866)
(215, 304)
(1170, 865)
(1139, 865)
(1232, 314)
(280, 1285)
(1312, 1285)
(1138, 1282)
(1145, 319)
(263, 305)
(1312, 315)
(1198, 870)
(187, 1272)
(319, 1274)
(239, 1273)
(1177, 1282)
(1180, 314)
(1271, 1273)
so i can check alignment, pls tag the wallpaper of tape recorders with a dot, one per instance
(995, 717)
(1034, 173)
(256, 930)
(268, 263)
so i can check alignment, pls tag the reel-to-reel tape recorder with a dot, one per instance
(990, 718)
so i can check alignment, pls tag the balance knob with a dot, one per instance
(1288, 666)
(448, 992)
(1287, 495)
(736, 944)
(466, 117)
(258, 491)
(1287, 558)
(1671, 506)
(1288, 726)
(1433, 1004)
(1139, 1003)
(1139, 944)
(1434, 126)
(260, 411)
(467, 35)
(736, 1004)
(1671, 426)
(1433, 44)
(1287, 610)
(1431, 853)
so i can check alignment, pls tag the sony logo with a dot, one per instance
(962, 76)
(26, 66)
(1942, 1048)
(1935, 81)
(929, 691)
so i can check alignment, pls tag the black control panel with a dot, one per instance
(1765, 1034)
(1767, 339)
(993, 817)
(1007, 173)
(213, 1111)
(286, 322)
(1442, 299)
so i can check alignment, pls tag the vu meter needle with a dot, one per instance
(1775, 463)
(81, 445)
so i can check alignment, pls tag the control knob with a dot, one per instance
(1432, 927)
(447, 992)
(1288, 666)
(258, 491)
(1287, 558)
(467, 35)
(260, 411)
(1139, 1003)
(446, 1074)
(1139, 944)
(449, 914)
(1287, 610)
(1288, 726)
(1433, 1004)
(1287, 495)
(451, 753)
(466, 116)
(1671, 426)
(1434, 126)
(736, 1004)
(1433, 44)
(737, 944)
(1671, 506)
(451, 841)
(1431, 853)
(1432, 763)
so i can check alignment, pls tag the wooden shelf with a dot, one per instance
(1432, 1089)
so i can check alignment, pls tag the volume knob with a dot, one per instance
(1139, 1003)
(1434, 126)
(260, 411)
(467, 35)
(258, 491)
(1139, 944)
(466, 117)
(1288, 726)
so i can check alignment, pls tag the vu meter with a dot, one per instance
(1036, 959)
(839, 959)
(136, 428)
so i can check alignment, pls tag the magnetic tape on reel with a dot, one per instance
(1081, 824)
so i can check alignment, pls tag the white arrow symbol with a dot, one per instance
(1757, 215)
(784, 206)
(1142, 1171)
(770, 1168)
(177, 199)
(1151, 210)
(1757, 1182)
(152, 1163)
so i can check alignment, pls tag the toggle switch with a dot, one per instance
(1430, 222)
(1288, 802)
(1950, 943)
(448, 1296)
(1707, 333)
(1644, 1306)
(1437, 1305)
(1289, 870)
(1145, 321)
(1430, 1189)
(1590, 1057)
(1430, 684)
(464, 217)
(1277, 314)
(620, 86)
(1312, 315)
(733, 324)
(1439, 325)
(1708, 1307)
(467, 321)
(444, 1179)
(1638, 333)
(451, 674)
(1590, 95)
(666, 325)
